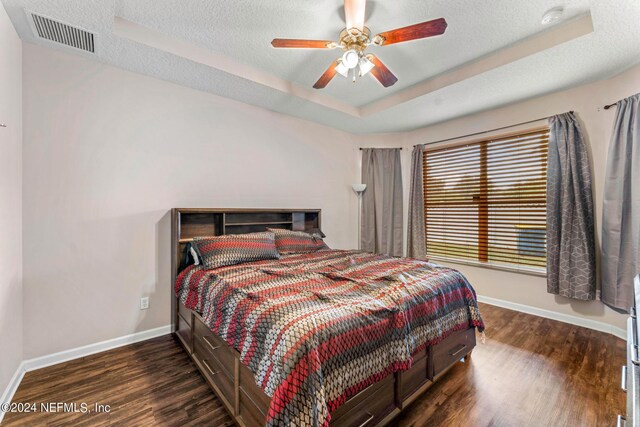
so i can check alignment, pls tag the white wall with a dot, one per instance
(587, 102)
(10, 201)
(107, 153)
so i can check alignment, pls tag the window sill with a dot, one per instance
(531, 271)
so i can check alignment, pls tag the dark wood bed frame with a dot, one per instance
(235, 384)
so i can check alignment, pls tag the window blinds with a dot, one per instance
(486, 201)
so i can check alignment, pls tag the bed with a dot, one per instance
(331, 337)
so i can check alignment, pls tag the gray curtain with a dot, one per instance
(571, 263)
(382, 201)
(416, 245)
(621, 212)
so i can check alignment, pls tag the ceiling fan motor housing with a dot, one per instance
(354, 39)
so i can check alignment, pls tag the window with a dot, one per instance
(485, 201)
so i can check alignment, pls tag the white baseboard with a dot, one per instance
(561, 317)
(16, 379)
(76, 353)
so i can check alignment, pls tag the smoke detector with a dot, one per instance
(552, 16)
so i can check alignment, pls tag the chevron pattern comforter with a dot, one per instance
(317, 328)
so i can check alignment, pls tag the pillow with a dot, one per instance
(293, 242)
(194, 254)
(236, 248)
(190, 257)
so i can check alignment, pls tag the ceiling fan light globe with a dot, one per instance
(342, 69)
(350, 59)
(365, 65)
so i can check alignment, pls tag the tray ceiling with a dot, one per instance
(239, 33)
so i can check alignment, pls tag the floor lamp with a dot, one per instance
(359, 189)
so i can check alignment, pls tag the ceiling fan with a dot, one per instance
(354, 40)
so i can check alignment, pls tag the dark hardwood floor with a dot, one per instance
(531, 372)
(146, 384)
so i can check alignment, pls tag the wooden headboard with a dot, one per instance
(187, 223)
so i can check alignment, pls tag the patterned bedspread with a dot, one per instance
(317, 328)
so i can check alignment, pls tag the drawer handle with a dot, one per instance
(464, 346)
(211, 346)
(204, 362)
(623, 382)
(367, 421)
(622, 421)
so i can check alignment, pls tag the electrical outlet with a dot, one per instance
(144, 303)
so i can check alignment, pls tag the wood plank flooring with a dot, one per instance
(146, 384)
(531, 372)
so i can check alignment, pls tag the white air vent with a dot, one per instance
(59, 32)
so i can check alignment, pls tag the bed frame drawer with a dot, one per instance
(185, 313)
(249, 386)
(213, 346)
(368, 407)
(453, 348)
(249, 412)
(413, 378)
(214, 372)
(183, 331)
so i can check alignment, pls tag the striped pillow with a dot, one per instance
(295, 242)
(236, 248)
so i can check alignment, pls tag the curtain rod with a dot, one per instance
(486, 131)
(384, 148)
(606, 107)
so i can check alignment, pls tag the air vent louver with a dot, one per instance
(58, 32)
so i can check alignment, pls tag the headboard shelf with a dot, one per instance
(188, 223)
(227, 224)
(189, 240)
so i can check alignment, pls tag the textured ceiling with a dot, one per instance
(242, 30)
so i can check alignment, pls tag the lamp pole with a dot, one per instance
(359, 220)
(359, 189)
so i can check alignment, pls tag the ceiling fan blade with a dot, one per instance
(354, 13)
(298, 43)
(381, 72)
(412, 32)
(324, 79)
